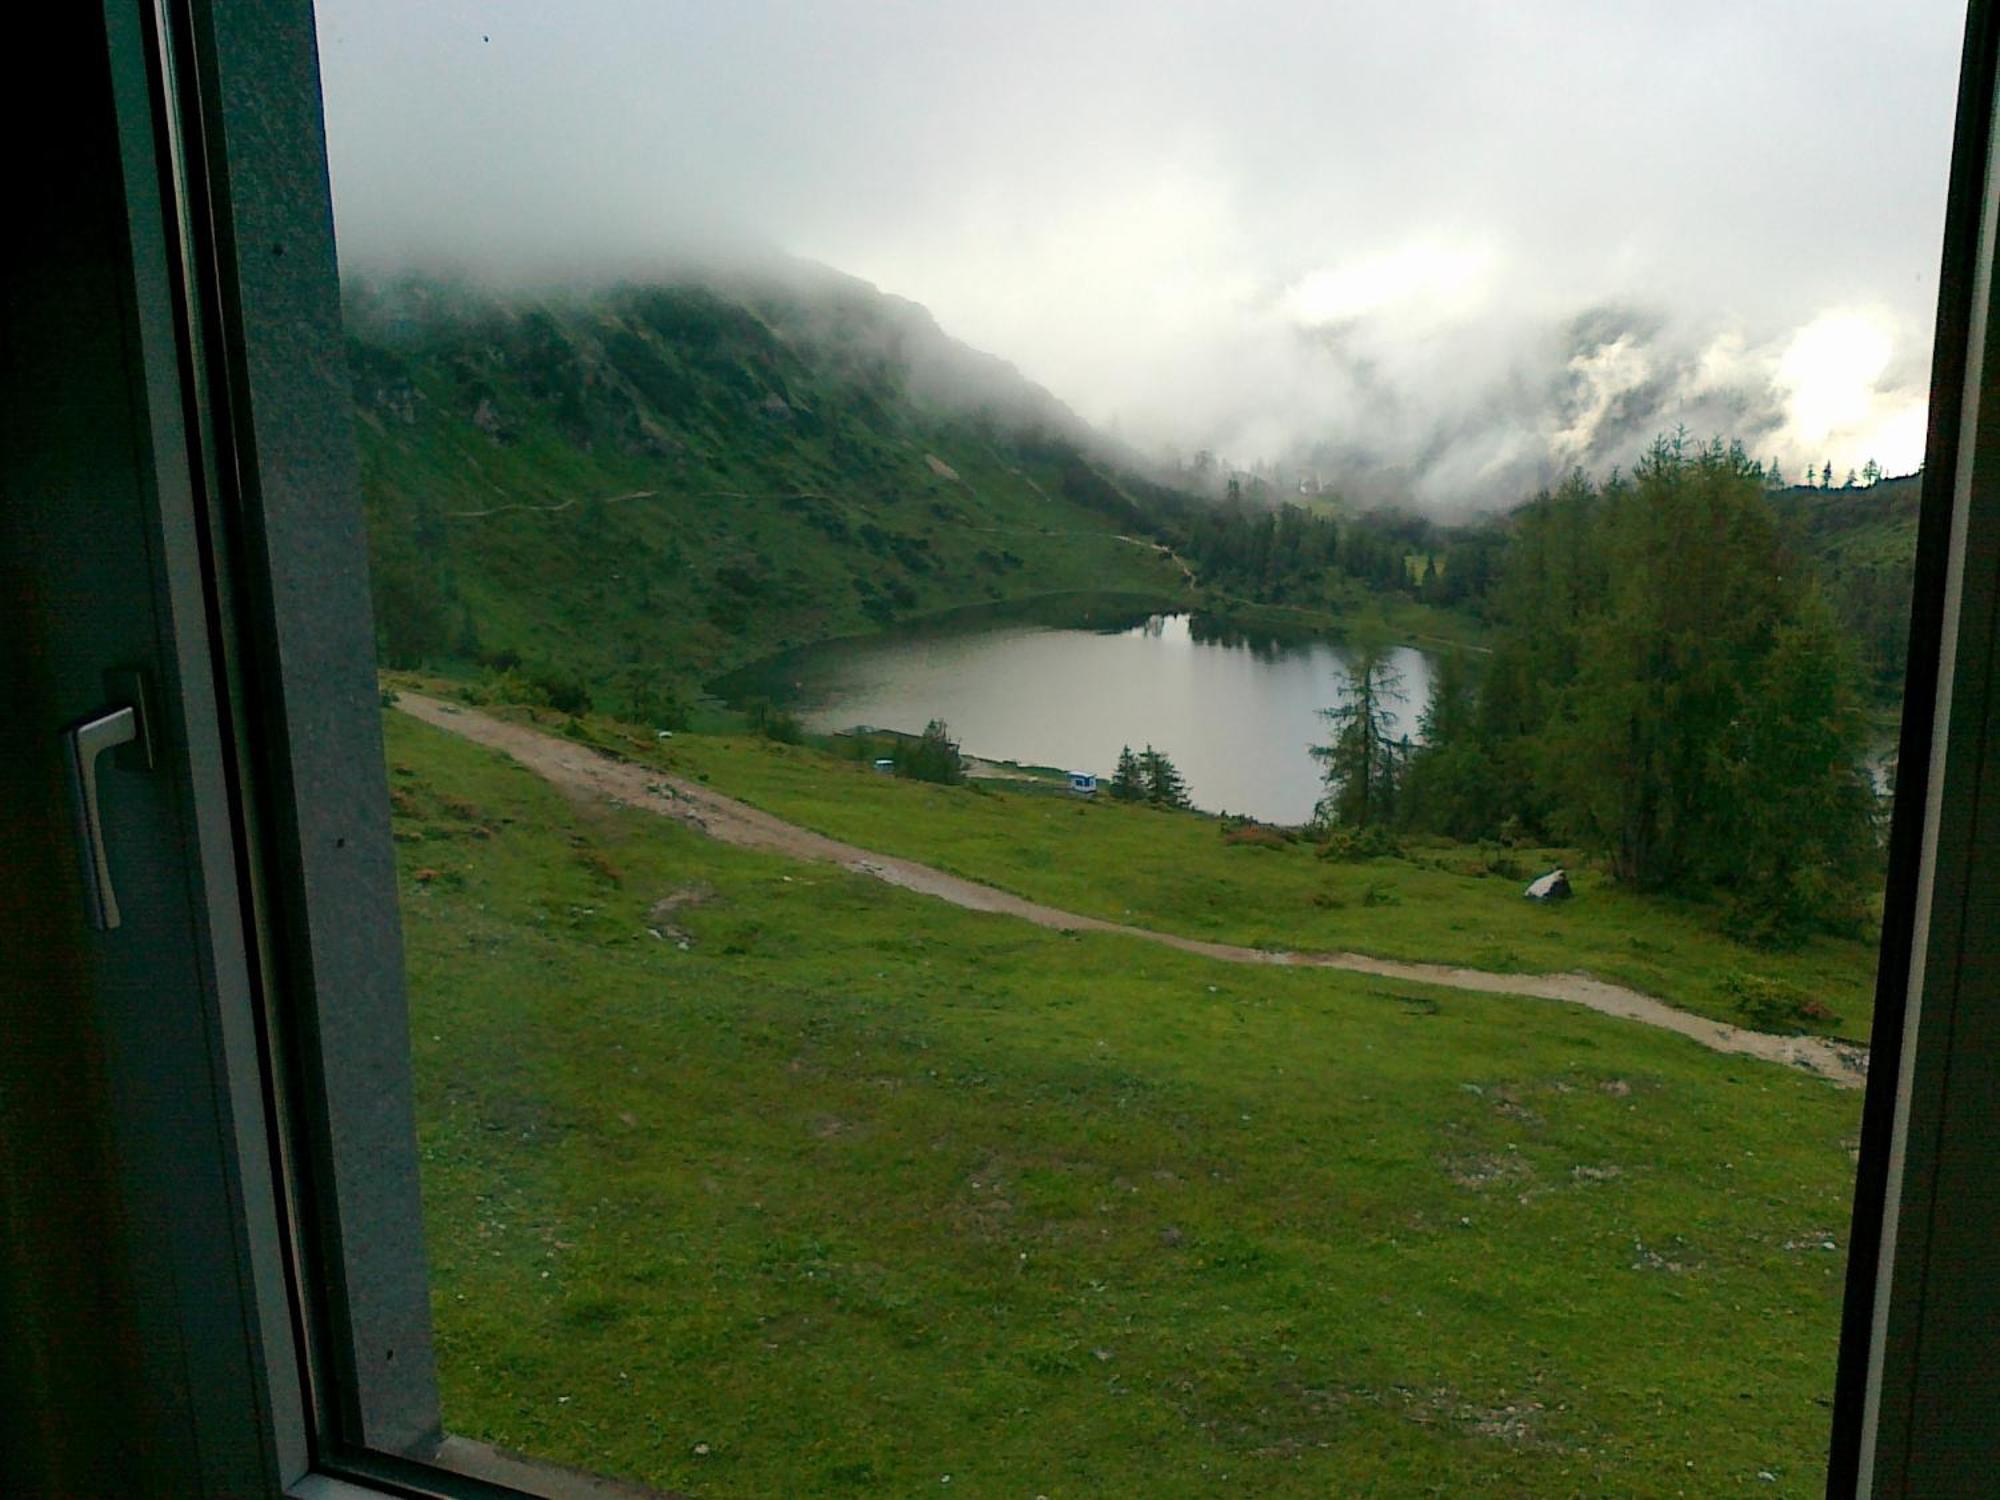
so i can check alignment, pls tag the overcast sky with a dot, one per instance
(1449, 247)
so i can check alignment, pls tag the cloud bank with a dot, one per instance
(1440, 252)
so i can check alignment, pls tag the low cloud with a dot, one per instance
(1444, 251)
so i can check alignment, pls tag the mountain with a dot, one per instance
(623, 492)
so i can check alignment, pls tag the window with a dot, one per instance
(235, 1094)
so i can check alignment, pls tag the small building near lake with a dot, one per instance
(1083, 783)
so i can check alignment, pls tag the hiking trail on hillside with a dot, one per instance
(580, 768)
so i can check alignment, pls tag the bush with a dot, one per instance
(507, 686)
(1773, 1004)
(1253, 836)
(1372, 842)
(646, 697)
(775, 723)
(564, 693)
(1380, 893)
(1784, 913)
(932, 756)
(540, 687)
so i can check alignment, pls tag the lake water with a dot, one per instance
(1236, 716)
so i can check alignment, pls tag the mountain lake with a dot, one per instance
(1236, 713)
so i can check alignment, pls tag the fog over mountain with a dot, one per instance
(1436, 253)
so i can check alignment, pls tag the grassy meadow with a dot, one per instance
(1179, 872)
(747, 1177)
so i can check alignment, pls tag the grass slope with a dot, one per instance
(830, 1189)
(1177, 872)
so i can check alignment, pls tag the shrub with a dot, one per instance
(564, 693)
(541, 687)
(1380, 893)
(1770, 1004)
(1254, 836)
(1372, 842)
(932, 756)
(775, 723)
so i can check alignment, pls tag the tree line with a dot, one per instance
(1290, 555)
(1668, 688)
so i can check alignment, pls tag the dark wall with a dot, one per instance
(73, 1374)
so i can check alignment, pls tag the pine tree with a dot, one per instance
(1446, 781)
(1826, 476)
(1165, 786)
(1128, 782)
(1871, 473)
(1360, 761)
(1806, 828)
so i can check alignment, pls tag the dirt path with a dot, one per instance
(579, 768)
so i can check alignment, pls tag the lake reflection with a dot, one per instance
(1237, 717)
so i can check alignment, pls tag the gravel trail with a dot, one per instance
(582, 769)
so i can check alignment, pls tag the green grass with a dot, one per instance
(831, 1189)
(1438, 902)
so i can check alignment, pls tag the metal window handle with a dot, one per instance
(85, 742)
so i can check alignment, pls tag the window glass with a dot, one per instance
(1138, 749)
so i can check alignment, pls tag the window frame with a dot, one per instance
(236, 94)
(1916, 1377)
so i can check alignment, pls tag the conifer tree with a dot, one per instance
(1128, 782)
(1360, 761)
(1446, 782)
(1165, 786)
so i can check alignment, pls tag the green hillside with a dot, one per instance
(745, 1176)
(1863, 543)
(627, 491)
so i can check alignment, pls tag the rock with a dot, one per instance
(1553, 886)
